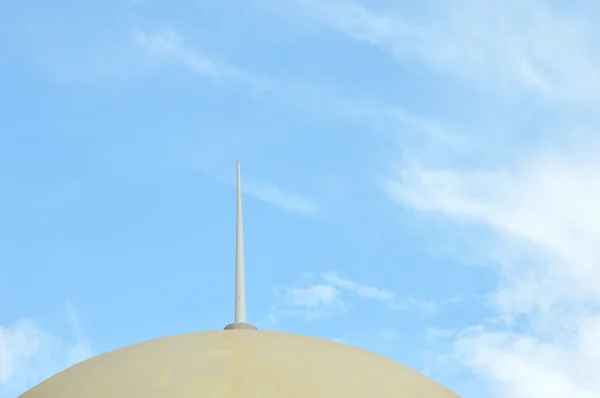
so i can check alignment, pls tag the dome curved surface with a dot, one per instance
(239, 364)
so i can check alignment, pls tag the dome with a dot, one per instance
(239, 364)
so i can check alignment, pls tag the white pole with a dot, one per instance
(240, 282)
(240, 279)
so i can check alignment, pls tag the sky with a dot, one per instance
(420, 180)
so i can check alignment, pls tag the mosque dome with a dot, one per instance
(239, 362)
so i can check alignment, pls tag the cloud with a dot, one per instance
(549, 203)
(316, 99)
(314, 296)
(311, 303)
(82, 349)
(522, 365)
(19, 343)
(168, 42)
(538, 205)
(544, 215)
(322, 299)
(525, 46)
(364, 291)
(30, 353)
(285, 200)
(385, 296)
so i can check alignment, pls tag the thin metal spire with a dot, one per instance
(240, 278)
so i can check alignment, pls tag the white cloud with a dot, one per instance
(522, 365)
(385, 296)
(541, 210)
(30, 353)
(313, 296)
(529, 46)
(285, 200)
(546, 217)
(82, 349)
(550, 203)
(167, 42)
(364, 291)
(311, 302)
(19, 343)
(321, 299)
(306, 96)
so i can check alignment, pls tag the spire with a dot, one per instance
(240, 279)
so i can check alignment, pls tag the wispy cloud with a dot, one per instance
(550, 203)
(285, 200)
(364, 291)
(539, 205)
(384, 296)
(167, 42)
(545, 216)
(321, 299)
(311, 302)
(30, 353)
(19, 343)
(82, 349)
(304, 95)
(523, 365)
(526, 46)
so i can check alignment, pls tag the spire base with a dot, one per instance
(240, 326)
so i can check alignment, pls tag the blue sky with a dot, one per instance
(420, 180)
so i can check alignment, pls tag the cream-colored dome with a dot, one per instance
(239, 364)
